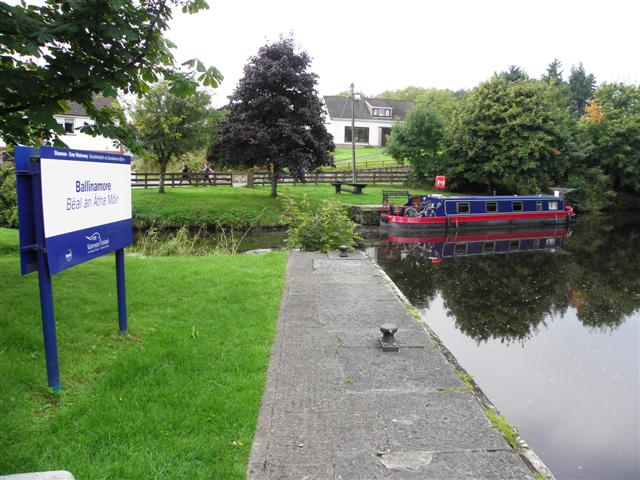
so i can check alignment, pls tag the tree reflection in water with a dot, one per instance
(507, 296)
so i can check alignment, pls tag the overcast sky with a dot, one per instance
(384, 45)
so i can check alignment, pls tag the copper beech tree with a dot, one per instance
(275, 117)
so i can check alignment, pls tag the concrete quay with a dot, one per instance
(337, 407)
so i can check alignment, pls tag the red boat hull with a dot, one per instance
(456, 221)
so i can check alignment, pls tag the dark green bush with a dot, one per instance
(594, 191)
(320, 227)
(8, 198)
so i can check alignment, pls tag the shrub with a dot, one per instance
(181, 243)
(8, 199)
(321, 227)
(594, 190)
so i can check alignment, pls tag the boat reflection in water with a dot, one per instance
(456, 243)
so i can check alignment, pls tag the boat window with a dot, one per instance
(550, 242)
(461, 249)
(514, 245)
(489, 247)
(491, 206)
(539, 205)
(516, 206)
(536, 243)
(463, 207)
(553, 205)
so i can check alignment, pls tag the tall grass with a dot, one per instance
(155, 243)
(185, 242)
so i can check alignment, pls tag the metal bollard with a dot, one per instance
(387, 341)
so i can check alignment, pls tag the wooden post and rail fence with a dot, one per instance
(390, 175)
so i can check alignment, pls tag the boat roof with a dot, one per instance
(488, 198)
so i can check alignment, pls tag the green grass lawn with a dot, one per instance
(366, 157)
(177, 398)
(236, 206)
(185, 205)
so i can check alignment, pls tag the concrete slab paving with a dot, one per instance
(336, 407)
(418, 465)
(407, 370)
(52, 475)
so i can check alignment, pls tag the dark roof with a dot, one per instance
(98, 100)
(340, 107)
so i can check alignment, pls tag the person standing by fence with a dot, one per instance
(206, 171)
(186, 174)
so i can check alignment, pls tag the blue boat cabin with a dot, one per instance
(433, 205)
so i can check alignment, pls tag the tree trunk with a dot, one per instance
(274, 182)
(163, 170)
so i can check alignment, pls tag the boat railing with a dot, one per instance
(387, 195)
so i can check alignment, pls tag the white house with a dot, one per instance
(75, 118)
(374, 118)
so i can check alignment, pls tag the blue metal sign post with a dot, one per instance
(122, 293)
(73, 206)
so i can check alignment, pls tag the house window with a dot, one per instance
(516, 206)
(553, 205)
(538, 205)
(463, 207)
(491, 206)
(381, 112)
(68, 125)
(362, 134)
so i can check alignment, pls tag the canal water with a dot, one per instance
(547, 321)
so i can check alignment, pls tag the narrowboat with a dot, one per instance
(438, 246)
(443, 212)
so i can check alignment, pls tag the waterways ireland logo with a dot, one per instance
(96, 242)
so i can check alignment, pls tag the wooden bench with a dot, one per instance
(344, 186)
(386, 194)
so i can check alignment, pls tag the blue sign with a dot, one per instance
(73, 206)
(86, 204)
(27, 172)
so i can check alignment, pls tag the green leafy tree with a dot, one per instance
(214, 126)
(581, 89)
(514, 74)
(170, 125)
(418, 141)
(443, 101)
(509, 136)
(408, 94)
(613, 122)
(276, 117)
(553, 74)
(64, 51)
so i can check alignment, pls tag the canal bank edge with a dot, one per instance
(523, 449)
(336, 405)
